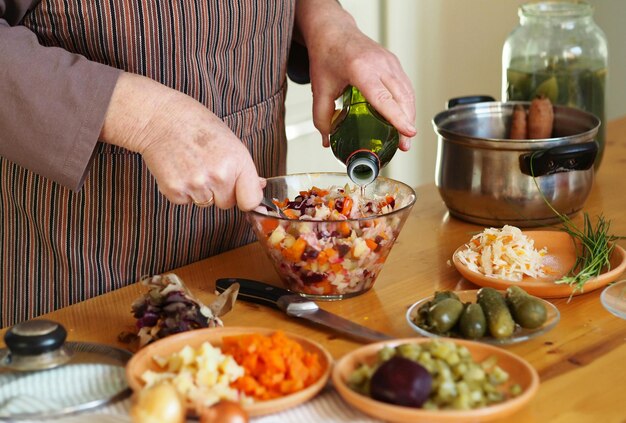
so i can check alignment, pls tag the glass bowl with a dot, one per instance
(330, 259)
(470, 296)
(613, 298)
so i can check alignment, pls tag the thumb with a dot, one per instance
(249, 187)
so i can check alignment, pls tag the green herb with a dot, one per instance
(593, 245)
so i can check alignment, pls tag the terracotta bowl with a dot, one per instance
(560, 258)
(520, 372)
(143, 360)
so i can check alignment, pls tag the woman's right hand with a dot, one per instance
(192, 153)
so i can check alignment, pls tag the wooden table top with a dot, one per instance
(581, 362)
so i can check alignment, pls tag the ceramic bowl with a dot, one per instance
(519, 370)
(143, 361)
(560, 258)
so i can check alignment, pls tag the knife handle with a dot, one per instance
(253, 291)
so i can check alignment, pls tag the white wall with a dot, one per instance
(449, 48)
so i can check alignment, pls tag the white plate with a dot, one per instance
(520, 334)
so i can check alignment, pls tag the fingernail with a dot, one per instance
(406, 144)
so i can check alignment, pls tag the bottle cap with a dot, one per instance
(363, 167)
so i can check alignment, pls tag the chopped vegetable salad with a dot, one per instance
(333, 242)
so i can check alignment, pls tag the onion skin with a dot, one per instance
(224, 412)
(158, 404)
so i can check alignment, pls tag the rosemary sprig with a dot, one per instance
(593, 245)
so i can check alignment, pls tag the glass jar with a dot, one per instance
(558, 51)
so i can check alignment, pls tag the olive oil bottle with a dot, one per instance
(361, 138)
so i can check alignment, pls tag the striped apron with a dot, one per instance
(59, 246)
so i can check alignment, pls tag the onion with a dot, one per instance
(224, 412)
(158, 404)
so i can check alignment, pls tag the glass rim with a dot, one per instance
(411, 193)
(557, 9)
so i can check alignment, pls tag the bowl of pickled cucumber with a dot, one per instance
(485, 315)
(435, 380)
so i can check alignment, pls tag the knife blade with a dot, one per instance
(295, 305)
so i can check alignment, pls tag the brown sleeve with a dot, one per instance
(52, 102)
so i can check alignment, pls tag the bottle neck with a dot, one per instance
(352, 95)
(363, 167)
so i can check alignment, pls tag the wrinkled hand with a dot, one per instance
(341, 55)
(192, 153)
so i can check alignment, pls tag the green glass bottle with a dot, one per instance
(361, 138)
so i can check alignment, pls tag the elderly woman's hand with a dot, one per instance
(193, 155)
(340, 55)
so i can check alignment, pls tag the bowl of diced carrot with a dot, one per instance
(327, 237)
(264, 370)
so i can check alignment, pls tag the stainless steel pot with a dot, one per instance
(487, 179)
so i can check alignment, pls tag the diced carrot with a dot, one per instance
(330, 252)
(281, 368)
(291, 214)
(371, 244)
(344, 229)
(347, 206)
(281, 204)
(336, 267)
(331, 204)
(322, 258)
(319, 192)
(269, 225)
(294, 253)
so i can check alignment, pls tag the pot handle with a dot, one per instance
(565, 158)
(470, 99)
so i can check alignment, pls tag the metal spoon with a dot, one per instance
(271, 206)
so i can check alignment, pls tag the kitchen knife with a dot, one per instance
(297, 306)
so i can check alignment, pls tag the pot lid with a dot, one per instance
(42, 376)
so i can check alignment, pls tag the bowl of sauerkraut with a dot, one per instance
(327, 237)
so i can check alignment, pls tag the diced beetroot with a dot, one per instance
(310, 253)
(313, 277)
(343, 249)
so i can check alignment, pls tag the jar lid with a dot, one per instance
(43, 376)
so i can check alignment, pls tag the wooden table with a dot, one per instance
(582, 362)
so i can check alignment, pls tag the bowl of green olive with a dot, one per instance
(485, 315)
